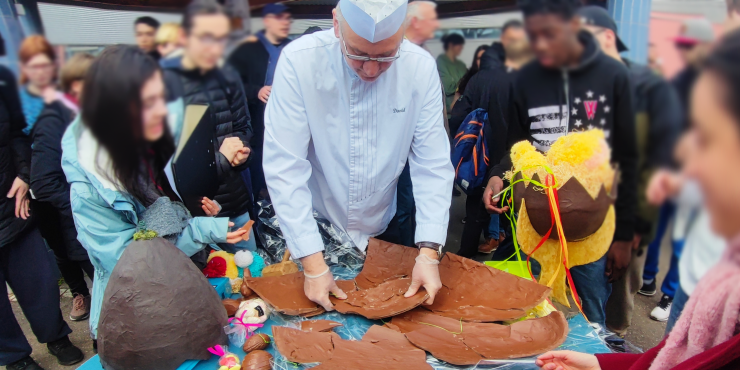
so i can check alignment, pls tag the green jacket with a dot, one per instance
(450, 73)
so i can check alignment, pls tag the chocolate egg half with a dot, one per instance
(256, 342)
(257, 360)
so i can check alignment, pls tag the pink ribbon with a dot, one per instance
(240, 321)
(217, 350)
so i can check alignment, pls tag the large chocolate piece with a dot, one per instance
(349, 354)
(478, 293)
(385, 261)
(231, 306)
(520, 339)
(156, 292)
(580, 213)
(319, 325)
(285, 294)
(346, 285)
(384, 300)
(389, 339)
(304, 347)
(464, 343)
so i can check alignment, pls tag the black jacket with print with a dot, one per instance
(595, 94)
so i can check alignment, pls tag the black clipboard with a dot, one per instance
(194, 174)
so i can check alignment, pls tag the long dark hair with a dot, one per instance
(724, 62)
(472, 71)
(112, 110)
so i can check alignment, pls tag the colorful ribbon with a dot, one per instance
(240, 321)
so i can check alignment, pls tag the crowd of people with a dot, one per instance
(84, 145)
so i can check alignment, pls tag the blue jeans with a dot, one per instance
(670, 284)
(494, 228)
(679, 302)
(250, 244)
(594, 289)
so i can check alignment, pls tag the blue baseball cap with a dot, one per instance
(274, 8)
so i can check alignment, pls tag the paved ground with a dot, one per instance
(644, 333)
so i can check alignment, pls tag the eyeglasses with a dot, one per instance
(368, 59)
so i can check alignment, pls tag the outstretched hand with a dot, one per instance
(233, 237)
(318, 287)
(425, 274)
(567, 360)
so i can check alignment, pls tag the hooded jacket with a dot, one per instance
(106, 218)
(222, 90)
(489, 89)
(549, 103)
(15, 157)
(48, 183)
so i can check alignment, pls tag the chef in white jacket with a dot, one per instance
(349, 106)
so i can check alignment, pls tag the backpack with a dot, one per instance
(469, 153)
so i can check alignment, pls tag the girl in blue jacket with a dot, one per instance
(114, 155)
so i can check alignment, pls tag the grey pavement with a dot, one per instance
(644, 333)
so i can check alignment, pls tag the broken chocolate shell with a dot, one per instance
(256, 342)
(504, 296)
(304, 347)
(351, 354)
(581, 215)
(285, 293)
(390, 339)
(156, 291)
(231, 306)
(319, 325)
(384, 300)
(385, 261)
(257, 360)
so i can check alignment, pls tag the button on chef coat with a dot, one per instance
(337, 144)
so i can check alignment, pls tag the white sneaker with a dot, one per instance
(662, 310)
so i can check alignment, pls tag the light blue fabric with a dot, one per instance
(32, 106)
(106, 220)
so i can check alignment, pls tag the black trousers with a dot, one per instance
(73, 271)
(477, 220)
(28, 268)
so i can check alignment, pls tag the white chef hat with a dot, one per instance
(374, 20)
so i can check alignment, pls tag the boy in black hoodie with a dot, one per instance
(573, 86)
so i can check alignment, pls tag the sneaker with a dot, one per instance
(65, 352)
(24, 364)
(662, 310)
(80, 308)
(648, 290)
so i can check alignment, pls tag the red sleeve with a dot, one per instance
(617, 361)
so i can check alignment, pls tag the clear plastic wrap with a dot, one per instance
(340, 252)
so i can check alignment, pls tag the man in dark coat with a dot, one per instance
(256, 61)
(197, 79)
(25, 263)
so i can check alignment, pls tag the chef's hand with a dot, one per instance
(495, 185)
(618, 259)
(19, 191)
(264, 93)
(233, 237)
(317, 288)
(567, 360)
(425, 274)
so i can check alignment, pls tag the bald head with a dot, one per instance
(422, 21)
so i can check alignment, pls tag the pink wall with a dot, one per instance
(663, 28)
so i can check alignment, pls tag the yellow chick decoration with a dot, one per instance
(578, 167)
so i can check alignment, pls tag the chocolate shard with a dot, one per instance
(304, 347)
(390, 339)
(346, 285)
(231, 306)
(156, 292)
(420, 318)
(505, 296)
(319, 325)
(349, 354)
(444, 346)
(521, 339)
(580, 213)
(385, 261)
(384, 300)
(285, 294)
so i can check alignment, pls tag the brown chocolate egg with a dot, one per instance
(231, 306)
(244, 290)
(257, 360)
(256, 342)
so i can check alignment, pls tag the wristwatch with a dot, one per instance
(433, 246)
